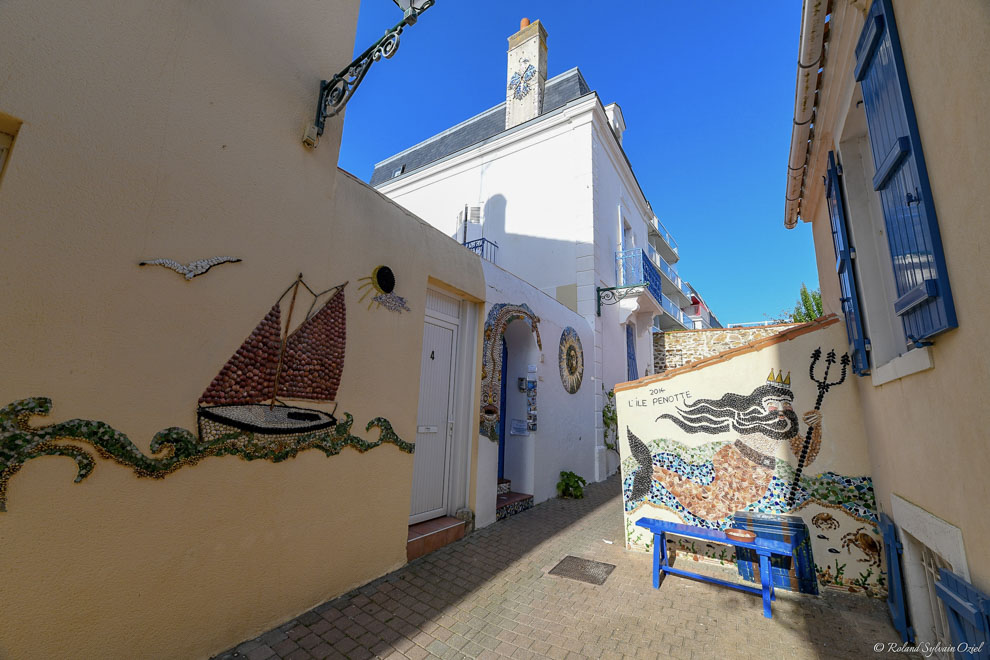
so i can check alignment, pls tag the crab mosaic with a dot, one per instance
(825, 521)
(866, 543)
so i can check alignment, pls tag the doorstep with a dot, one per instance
(425, 537)
(511, 503)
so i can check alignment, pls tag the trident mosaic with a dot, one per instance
(823, 386)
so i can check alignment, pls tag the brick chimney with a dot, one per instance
(527, 73)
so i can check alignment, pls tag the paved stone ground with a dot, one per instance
(489, 596)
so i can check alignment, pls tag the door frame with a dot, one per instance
(449, 424)
(501, 411)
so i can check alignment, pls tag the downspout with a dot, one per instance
(811, 56)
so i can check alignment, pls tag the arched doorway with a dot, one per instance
(507, 403)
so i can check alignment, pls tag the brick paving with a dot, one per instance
(489, 596)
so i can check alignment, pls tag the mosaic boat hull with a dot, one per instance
(261, 419)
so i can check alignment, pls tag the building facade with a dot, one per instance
(541, 186)
(888, 165)
(245, 443)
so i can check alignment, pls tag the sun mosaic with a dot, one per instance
(570, 357)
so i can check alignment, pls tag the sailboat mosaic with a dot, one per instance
(241, 412)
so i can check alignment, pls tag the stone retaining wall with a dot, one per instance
(680, 347)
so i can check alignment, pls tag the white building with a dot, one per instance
(540, 185)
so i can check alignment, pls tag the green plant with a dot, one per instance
(610, 421)
(864, 579)
(808, 307)
(571, 485)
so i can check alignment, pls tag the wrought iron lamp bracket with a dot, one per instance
(336, 92)
(612, 294)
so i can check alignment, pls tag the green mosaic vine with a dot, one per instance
(175, 447)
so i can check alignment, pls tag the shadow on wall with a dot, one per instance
(535, 259)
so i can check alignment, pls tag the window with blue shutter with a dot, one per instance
(631, 353)
(892, 550)
(843, 266)
(924, 299)
(967, 611)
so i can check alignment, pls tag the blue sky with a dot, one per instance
(706, 89)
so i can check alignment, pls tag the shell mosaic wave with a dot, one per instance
(173, 447)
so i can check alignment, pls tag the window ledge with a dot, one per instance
(915, 360)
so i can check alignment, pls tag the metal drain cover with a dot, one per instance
(583, 570)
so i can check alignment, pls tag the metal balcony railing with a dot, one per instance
(701, 312)
(667, 270)
(484, 248)
(664, 234)
(635, 267)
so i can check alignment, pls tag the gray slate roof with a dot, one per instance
(559, 91)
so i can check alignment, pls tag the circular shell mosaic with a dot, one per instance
(571, 359)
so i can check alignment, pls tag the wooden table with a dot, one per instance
(763, 547)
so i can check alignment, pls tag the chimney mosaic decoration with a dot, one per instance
(526, 74)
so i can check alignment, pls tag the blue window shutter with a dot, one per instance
(924, 299)
(631, 353)
(967, 611)
(843, 266)
(892, 550)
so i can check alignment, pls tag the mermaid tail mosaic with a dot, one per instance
(174, 447)
(693, 470)
(499, 317)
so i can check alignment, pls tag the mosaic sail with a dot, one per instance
(304, 365)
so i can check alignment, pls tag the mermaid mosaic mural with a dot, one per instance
(743, 468)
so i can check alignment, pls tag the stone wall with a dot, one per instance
(680, 347)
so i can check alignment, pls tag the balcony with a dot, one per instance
(484, 248)
(668, 245)
(699, 316)
(634, 267)
(677, 283)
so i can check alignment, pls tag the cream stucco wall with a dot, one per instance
(174, 130)
(927, 441)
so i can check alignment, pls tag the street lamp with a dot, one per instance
(336, 92)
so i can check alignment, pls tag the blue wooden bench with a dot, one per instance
(763, 547)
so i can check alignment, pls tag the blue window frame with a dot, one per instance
(631, 370)
(844, 253)
(924, 298)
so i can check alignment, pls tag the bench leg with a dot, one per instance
(659, 556)
(766, 582)
(657, 539)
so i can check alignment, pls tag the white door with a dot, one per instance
(434, 422)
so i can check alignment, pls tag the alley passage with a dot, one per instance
(489, 596)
